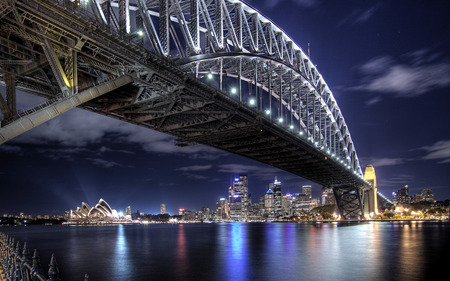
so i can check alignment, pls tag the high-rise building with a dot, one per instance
(222, 209)
(238, 198)
(370, 193)
(269, 204)
(427, 195)
(163, 209)
(306, 189)
(328, 197)
(402, 196)
(128, 211)
(277, 196)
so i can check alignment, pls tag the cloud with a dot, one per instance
(103, 163)
(13, 149)
(79, 128)
(360, 15)
(413, 74)
(270, 4)
(380, 162)
(397, 181)
(438, 151)
(195, 177)
(261, 172)
(195, 168)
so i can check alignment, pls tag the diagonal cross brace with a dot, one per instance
(50, 111)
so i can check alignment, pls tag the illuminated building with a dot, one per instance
(222, 209)
(128, 211)
(307, 191)
(238, 199)
(370, 193)
(269, 204)
(163, 209)
(277, 196)
(328, 197)
(402, 196)
(101, 210)
(427, 195)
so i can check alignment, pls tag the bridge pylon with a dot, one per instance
(369, 193)
(348, 200)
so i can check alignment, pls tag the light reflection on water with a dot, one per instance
(239, 251)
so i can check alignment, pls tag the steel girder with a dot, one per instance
(236, 44)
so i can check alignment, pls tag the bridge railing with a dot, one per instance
(17, 264)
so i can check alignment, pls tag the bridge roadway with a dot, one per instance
(215, 73)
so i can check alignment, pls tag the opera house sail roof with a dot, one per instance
(101, 210)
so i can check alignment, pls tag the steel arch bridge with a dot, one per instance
(214, 72)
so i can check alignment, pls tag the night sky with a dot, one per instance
(386, 62)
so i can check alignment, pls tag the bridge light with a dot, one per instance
(140, 33)
(252, 101)
(209, 75)
(280, 119)
(267, 111)
(300, 133)
(233, 91)
(291, 127)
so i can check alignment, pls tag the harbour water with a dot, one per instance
(244, 251)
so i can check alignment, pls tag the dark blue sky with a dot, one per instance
(387, 63)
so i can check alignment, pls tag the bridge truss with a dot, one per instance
(214, 72)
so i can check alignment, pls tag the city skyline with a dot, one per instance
(386, 65)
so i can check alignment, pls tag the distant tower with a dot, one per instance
(128, 211)
(238, 199)
(370, 193)
(163, 209)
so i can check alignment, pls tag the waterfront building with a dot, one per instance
(128, 211)
(427, 195)
(238, 199)
(222, 209)
(268, 210)
(163, 209)
(402, 196)
(101, 211)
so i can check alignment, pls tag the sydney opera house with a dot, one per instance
(101, 211)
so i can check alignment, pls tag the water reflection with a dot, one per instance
(181, 259)
(233, 249)
(121, 259)
(240, 251)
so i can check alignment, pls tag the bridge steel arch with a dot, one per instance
(215, 72)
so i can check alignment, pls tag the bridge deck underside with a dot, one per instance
(223, 123)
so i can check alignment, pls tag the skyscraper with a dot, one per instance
(222, 209)
(307, 191)
(163, 209)
(238, 198)
(277, 196)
